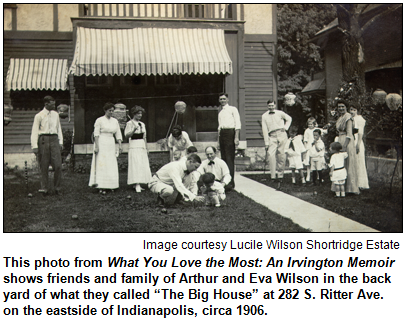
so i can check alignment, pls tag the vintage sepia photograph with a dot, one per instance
(166, 118)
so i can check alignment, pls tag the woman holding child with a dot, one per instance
(345, 126)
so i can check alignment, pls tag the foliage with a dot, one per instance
(380, 120)
(352, 27)
(298, 58)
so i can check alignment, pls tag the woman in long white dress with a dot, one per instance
(104, 170)
(359, 124)
(139, 171)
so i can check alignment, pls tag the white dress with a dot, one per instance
(104, 170)
(138, 162)
(295, 154)
(359, 123)
(337, 160)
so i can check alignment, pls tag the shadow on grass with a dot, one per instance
(126, 211)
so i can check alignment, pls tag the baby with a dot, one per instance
(177, 155)
(213, 190)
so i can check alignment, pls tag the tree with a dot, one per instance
(298, 58)
(353, 27)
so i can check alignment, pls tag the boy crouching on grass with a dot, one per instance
(212, 190)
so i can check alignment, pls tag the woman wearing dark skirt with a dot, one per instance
(139, 171)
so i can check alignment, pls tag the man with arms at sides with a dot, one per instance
(275, 123)
(47, 143)
(216, 166)
(167, 182)
(228, 134)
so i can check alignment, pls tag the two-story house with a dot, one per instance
(151, 55)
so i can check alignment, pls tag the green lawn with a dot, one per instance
(125, 211)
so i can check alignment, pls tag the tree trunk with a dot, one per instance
(353, 62)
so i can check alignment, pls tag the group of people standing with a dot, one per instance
(307, 152)
(180, 178)
(104, 168)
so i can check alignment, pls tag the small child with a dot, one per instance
(213, 190)
(177, 154)
(295, 149)
(338, 173)
(316, 155)
(308, 140)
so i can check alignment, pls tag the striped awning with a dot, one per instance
(37, 74)
(150, 51)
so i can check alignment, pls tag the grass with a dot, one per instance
(374, 207)
(125, 210)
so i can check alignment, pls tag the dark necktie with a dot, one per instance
(211, 163)
(271, 112)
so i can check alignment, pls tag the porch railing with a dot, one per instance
(209, 11)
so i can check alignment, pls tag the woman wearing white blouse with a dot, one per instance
(104, 170)
(359, 124)
(139, 171)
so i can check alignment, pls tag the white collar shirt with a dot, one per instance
(274, 121)
(229, 118)
(219, 168)
(173, 174)
(46, 122)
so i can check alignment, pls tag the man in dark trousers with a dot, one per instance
(47, 143)
(228, 134)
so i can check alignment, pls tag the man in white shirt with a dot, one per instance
(228, 133)
(215, 166)
(275, 123)
(47, 143)
(167, 182)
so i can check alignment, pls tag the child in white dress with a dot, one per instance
(212, 190)
(294, 152)
(316, 155)
(338, 173)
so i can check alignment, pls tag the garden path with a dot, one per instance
(305, 214)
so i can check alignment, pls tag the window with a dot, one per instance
(133, 80)
(99, 81)
(206, 119)
(194, 11)
(167, 80)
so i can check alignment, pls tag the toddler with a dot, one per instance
(213, 190)
(177, 154)
(338, 173)
(316, 155)
(294, 152)
(307, 141)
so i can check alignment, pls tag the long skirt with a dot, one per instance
(104, 170)
(138, 163)
(362, 169)
(351, 184)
